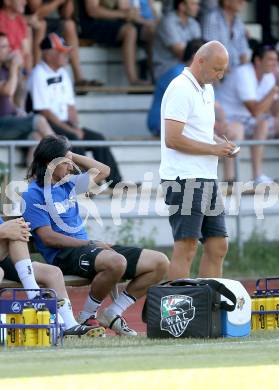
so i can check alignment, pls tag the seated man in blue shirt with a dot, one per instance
(15, 265)
(154, 116)
(52, 209)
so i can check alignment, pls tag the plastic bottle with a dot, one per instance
(270, 318)
(255, 317)
(43, 317)
(14, 335)
(30, 336)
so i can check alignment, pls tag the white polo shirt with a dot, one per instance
(187, 102)
(242, 85)
(51, 90)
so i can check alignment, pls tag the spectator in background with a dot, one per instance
(13, 24)
(154, 114)
(174, 31)
(224, 25)
(57, 16)
(14, 123)
(113, 23)
(52, 96)
(148, 21)
(207, 6)
(247, 97)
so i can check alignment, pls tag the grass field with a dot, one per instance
(140, 363)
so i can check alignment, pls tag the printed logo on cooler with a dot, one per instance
(240, 302)
(176, 313)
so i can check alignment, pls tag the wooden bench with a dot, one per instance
(129, 89)
(70, 281)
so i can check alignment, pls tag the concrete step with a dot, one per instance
(115, 116)
(105, 64)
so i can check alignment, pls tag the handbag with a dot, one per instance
(186, 308)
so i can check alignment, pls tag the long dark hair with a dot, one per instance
(48, 149)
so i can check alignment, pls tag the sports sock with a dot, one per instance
(90, 308)
(26, 275)
(122, 302)
(66, 313)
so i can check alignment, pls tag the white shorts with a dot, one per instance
(249, 124)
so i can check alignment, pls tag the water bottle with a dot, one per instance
(30, 336)
(43, 317)
(14, 335)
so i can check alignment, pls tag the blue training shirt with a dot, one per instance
(55, 206)
(154, 113)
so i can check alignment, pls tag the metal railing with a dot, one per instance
(13, 145)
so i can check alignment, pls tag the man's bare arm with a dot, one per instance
(177, 141)
(53, 239)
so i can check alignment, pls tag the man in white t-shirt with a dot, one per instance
(189, 158)
(52, 95)
(247, 97)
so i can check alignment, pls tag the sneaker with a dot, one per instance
(263, 179)
(91, 321)
(115, 322)
(83, 330)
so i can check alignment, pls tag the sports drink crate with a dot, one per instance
(14, 300)
(265, 304)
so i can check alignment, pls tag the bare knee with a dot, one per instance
(115, 264)
(69, 26)
(185, 249)
(46, 274)
(128, 32)
(161, 264)
(42, 125)
(55, 273)
(218, 252)
(261, 130)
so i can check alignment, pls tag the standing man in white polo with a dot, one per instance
(189, 159)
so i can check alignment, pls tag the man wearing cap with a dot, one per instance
(52, 95)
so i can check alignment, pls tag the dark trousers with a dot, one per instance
(102, 154)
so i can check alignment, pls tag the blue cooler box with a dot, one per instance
(236, 323)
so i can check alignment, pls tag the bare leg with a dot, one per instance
(110, 267)
(128, 37)
(42, 126)
(151, 269)
(148, 32)
(18, 250)
(215, 250)
(45, 274)
(70, 35)
(183, 254)
(235, 131)
(38, 35)
(260, 133)
(51, 277)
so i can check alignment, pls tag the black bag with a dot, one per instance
(186, 308)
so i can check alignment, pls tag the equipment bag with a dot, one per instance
(186, 308)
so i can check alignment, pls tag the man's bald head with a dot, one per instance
(211, 50)
(210, 62)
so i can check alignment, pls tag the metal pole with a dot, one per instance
(239, 239)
